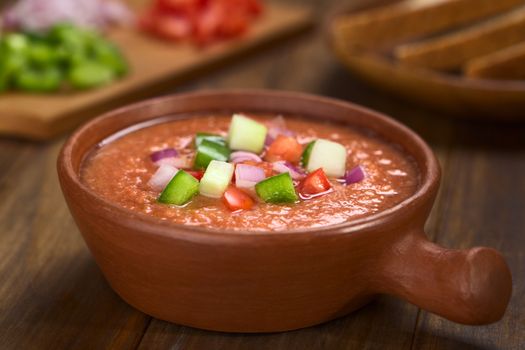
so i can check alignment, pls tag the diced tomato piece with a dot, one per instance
(172, 27)
(203, 21)
(235, 26)
(254, 6)
(267, 167)
(198, 174)
(208, 22)
(236, 199)
(284, 148)
(315, 183)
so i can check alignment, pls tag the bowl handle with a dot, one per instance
(471, 286)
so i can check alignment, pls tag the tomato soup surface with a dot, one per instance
(119, 170)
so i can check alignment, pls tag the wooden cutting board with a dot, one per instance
(155, 67)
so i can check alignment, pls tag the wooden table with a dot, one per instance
(53, 296)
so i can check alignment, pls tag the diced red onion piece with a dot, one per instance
(246, 176)
(164, 153)
(268, 140)
(36, 15)
(287, 167)
(177, 162)
(354, 175)
(277, 127)
(162, 176)
(116, 12)
(241, 156)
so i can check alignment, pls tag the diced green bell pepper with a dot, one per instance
(15, 42)
(305, 157)
(277, 189)
(41, 80)
(208, 151)
(109, 55)
(200, 136)
(89, 75)
(41, 54)
(180, 190)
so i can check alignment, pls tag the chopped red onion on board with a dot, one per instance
(37, 15)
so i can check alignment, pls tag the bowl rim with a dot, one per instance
(429, 179)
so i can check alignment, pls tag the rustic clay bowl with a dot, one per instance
(276, 281)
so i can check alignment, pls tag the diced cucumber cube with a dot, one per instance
(246, 134)
(277, 189)
(180, 190)
(329, 155)
(216, 179)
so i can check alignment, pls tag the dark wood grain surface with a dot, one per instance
(52, 295)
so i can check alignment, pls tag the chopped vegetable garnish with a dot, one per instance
(284, 148)
(247, 176)
(236, 199)
(276, 127)
(196, 174)
(354, 175)
(162, 177)
(329, 155)
(180, 190)
(200, 136)
(277, 189)
(315, 183)
(267, 167)
(287, 167)
(241, 156)
(163, 153)
(208, 151)
(246, 134)
(216, 179)
(306, 154)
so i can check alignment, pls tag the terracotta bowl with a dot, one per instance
(275, 281)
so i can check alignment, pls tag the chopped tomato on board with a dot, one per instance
(284, 148)
(203, 21)
(316, 182)
(236, 199)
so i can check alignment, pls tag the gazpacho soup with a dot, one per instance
(250, 172)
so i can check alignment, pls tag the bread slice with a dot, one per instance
(508, 64)
(415, 18)
(452, 50)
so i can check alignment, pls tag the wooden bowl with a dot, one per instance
(275, 281)
(446, 92)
